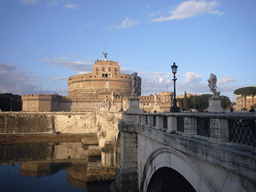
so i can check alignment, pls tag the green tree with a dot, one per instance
(185, 101)
(191, 102)
(225, 102)
(10, 102)
(202, 101)
(245, 91)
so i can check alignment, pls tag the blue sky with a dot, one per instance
(43, 42)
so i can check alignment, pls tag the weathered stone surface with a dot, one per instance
(215, 105)
(207, 163)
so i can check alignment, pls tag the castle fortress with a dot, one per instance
(104, 88)
(86, 91)
(104, 79)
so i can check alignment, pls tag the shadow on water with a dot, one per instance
(68, 166)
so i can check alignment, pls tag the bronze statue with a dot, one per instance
(105, 54)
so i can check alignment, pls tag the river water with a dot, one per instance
(68, 166)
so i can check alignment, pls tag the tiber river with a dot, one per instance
(55, 167)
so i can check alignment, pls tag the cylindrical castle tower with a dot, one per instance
(104, 79)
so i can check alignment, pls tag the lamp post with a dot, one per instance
(174, 108)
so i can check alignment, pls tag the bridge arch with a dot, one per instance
(172, 161)
(160, 181)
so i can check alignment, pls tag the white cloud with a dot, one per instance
(191, 77)
(15, 81)
(161, 79)
(65, 62)
(127, 23)
(192, 84)
(189, 9)
(83, 72)
(70, 6)
(225, 80)
(30, 1)
(127, 70)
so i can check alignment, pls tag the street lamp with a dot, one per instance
(174, 108)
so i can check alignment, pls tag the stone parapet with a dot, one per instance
(202, 141)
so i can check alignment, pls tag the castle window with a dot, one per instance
(115, 73)
(96, 68)
(109, 69)
(70, 79)
(90, 76)
(103, 69)
(104, 75)
(96, 73)
(125, 77)
(121, 76)
(115, 69)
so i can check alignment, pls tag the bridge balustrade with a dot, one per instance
(203, 126)
(237, 127)
(180, 124)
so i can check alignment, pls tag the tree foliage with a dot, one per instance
(10, 102)
(225, 102)
(185, 101)
(201, 102)
(245, 91)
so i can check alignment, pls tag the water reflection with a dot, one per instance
(84, 167)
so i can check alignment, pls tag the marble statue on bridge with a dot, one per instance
(136, 85)
(134, 106)
(212, 81)
(215, 100)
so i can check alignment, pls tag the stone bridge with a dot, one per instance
(187, 152)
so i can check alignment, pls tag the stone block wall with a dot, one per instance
(127, 176)
(18, 123)
(75, 122)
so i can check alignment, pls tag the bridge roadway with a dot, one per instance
(187, 152)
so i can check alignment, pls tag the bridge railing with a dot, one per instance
(237, 127)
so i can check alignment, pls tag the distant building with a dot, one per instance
(188, 95)
(243, 103)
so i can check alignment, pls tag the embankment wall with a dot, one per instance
(104, 123)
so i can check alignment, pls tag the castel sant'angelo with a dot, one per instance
(105, 88)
